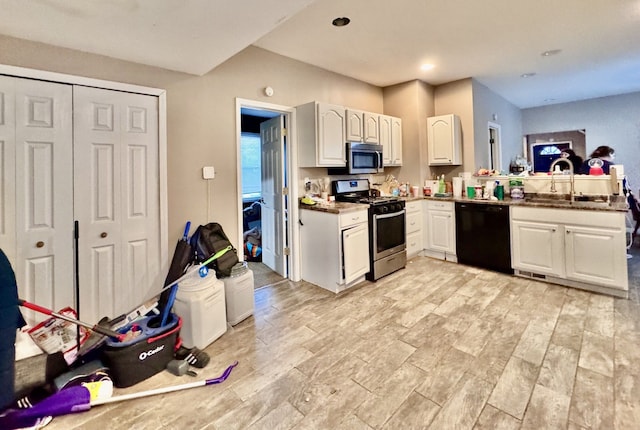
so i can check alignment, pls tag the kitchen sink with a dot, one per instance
(565, 200)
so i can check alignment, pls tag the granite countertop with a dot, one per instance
(335, 207)
(617, 204)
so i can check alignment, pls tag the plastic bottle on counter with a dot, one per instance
(403, 190)
(488, 190)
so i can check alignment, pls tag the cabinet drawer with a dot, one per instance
(442, 206)
(414, 222)
(414, 206)
(352, 218)
(414, 243)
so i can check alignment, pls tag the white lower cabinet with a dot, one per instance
(573, 247)
(334, 248)
(440, 230)
(355, 252)
(537, 246)
(413, 227)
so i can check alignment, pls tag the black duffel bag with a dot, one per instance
(210, 239)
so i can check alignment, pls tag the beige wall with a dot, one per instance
(413, 102)
(457, 98)
(201, 127)
(486, 104)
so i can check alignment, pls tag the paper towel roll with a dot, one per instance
(457, 186)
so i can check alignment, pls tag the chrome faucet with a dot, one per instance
(572, 192)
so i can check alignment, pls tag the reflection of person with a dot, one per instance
(604, 153)
(575, 160)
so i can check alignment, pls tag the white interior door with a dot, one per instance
(273, 204)
(117, 200)
(43, 259)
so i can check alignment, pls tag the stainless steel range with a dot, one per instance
(387, 243)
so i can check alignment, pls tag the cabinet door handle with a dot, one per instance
(103, 234)
(39, 244)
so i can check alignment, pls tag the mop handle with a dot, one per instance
(99, 329)
(147, 393)
(185, 235)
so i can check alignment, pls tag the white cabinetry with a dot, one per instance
(334, 248)
(414, 227)
(444, 137)
(584, 249)
(362, 126)
(321, 135)
(440, 230)
(391, 140)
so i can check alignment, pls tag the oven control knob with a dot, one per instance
(382, 209)
(397, 207)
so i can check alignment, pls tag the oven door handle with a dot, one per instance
(390, 215)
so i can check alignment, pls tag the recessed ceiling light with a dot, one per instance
(341, 21)
(426, 67)
(528, 75)
(551, 52)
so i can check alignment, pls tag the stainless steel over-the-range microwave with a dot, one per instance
(364, 158)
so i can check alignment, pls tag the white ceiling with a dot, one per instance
(494, 41)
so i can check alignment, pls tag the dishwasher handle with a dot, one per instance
(480, 207)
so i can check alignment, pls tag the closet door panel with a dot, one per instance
(97, 150)
(116, 145)
(141, 225)
(44, 194)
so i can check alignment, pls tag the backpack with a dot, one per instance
(210, 239)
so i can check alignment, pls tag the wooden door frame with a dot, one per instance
(498, 144)
(291, 161)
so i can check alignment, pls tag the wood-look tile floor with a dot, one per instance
(436, 345)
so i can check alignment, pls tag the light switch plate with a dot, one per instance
(208, 172)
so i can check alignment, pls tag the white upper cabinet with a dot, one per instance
(391, 140)
(362, 126)
(371, 131)
(444, 136)
(321, 135)
(355, 125)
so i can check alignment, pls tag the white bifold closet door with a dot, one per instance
(36, 215)
(116, 184)
(79, 153)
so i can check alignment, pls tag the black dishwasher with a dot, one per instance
(483, 236)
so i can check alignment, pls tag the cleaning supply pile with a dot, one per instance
(91, 359)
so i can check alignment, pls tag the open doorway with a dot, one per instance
(263, 200)
(495, 146)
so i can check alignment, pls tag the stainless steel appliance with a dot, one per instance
(363, 158)
(387, 239)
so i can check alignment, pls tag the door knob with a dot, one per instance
(39, 244)
(103, 234)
